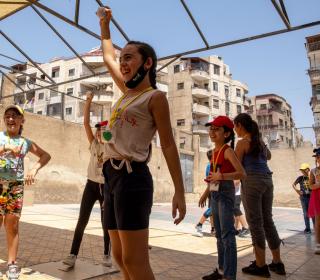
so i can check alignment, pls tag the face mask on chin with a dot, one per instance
(137, 78)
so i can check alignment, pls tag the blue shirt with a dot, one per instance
(11, 166)
(208, 169)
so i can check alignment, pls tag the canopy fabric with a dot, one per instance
(9, 7)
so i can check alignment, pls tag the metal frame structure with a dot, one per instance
(36, 5)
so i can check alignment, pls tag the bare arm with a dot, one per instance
(241, 149)
(294, 187)
(44, 158)
(159, 108)
(312, 182)
(109, 55)
(86, 117)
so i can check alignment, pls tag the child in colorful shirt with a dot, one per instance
(13, 149)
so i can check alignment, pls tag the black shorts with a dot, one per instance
(237, 211)
(128, 197)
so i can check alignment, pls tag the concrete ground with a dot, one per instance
(46, 233)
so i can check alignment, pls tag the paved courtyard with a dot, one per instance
(46, 233)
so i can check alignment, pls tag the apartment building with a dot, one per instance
(70, 106)
(313, 51)
(274, 117)
(199, 90)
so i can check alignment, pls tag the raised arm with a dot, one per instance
(86, 117)
(109, 55)
(44, 158)
(159, 108)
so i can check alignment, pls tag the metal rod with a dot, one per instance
(4, 74)
(61, 37)
(54, 13)
(168, 63)
(23, 73)
(115, 23)
(195, 23)
(281, 14)
(76, 14)
(247, 39)
(69, 81)
(283, 7)
(25, 55)
(14, 59)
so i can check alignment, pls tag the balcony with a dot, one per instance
(200, 92)
(96, 80)
(200, 75)
(104, 96)
(312, 47)
(314, 73)
(201, 110)
(200, 129)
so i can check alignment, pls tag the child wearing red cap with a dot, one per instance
(225, 167)
(94, 189)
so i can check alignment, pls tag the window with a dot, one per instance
(69, 91)
(206, 86)
(285, 124)
(281, 138)
(180, 86)
(181, 122)
(215, 103)
(226, 89)
(72, 72)
(53, 92)
(176, 68)
(281, 122)
(21, 81)
(263, 106)
(216, 69)
(69, 111)
(55, 72)
(238, 92)
(182, 142)
(227, 108)
(32, 78)
(40, 95)
(238, 109)
(39, 112)
(215, 86)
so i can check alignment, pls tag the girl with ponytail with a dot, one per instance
(257, 197)
(135, 118)
(225, 167)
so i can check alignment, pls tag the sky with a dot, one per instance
(276, 64)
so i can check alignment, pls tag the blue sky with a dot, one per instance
(276, 64)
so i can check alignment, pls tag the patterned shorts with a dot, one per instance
(11, 198)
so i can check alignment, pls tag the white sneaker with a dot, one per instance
(199, 231)
(107, 261)
(317, 249)
(13, 272)
(70, 260)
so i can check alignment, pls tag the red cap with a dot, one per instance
(102, 123)
(221, 121)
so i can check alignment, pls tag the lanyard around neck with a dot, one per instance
(215, 162)
(118, 112)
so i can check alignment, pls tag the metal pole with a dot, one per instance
(9, 57)
(195, 23)
(281, 14)
(243, 40)
(61, 37)
(76, 14)
(25, 55)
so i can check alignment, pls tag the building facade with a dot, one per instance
(199, 90)
(313, 51)
(274, 117)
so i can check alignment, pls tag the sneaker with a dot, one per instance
(199, 231)
(244, 232)
(317, 249)
(107, 261)
(13, 272)
(213, 276)
(253, 269)
(213, 231)
(307, 231)
(70, 260)
(277, 268)
(1, 275)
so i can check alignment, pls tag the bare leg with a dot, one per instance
(135, 254)
(317, 229)
(243, 221)
(11, 223)
(260, 256)
(1, 221)
(202, 220)
(117, 252)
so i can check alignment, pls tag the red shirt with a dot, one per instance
(222, 163)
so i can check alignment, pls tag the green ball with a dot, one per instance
(107, 135)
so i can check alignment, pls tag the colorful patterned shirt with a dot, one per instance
(12, 166)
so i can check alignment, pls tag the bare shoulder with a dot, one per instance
(243, 143)
(158, 98)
